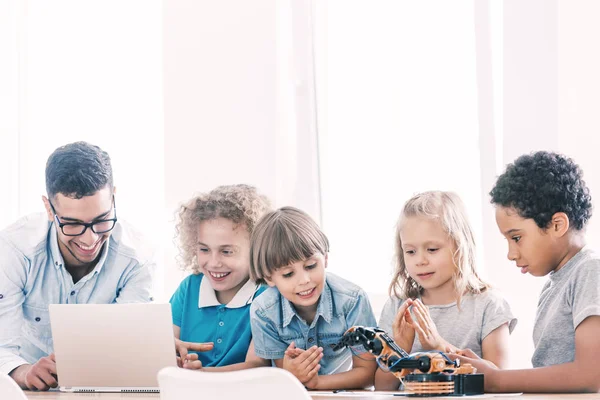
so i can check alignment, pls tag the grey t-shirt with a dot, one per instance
(571, 295)
(464, 328)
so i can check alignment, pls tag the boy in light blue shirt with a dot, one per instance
(297, 321)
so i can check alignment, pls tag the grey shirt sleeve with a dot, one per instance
(570, 295)
(496, 313)
(388, 314)
(584, 292)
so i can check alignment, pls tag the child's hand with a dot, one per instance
(304, 364)
(182, 348)
(425, 327)
(313, 383)
(402, 331)
(481, 366)
(472, 357)
(292, 351)
(191, 362)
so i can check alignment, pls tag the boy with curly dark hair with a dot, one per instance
(542, 207)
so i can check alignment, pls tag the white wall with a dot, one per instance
(83, 70)
(9, 110)
(529, 118)
(84, 81)
(238, 105)
(220, 101)
(398, 115)
(391, 90)
(549, 102)
(579, 93)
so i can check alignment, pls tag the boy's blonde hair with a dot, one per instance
(449, 210)
(282, 237)
(241, 204)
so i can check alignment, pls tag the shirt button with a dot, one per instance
(219, 340)
(1, 296)
(72, 293)
(56, 263)
(221, 323)
(222, 309)
(310, 340)
(38, 319)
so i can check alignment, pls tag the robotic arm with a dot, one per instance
(423, 373)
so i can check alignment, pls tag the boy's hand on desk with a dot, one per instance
(39, 376)
(183, 348)
(304, 364)
(402, 330)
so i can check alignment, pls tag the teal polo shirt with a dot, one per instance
(202, 318)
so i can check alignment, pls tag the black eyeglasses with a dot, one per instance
(79, 228)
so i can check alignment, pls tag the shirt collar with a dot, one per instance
(208, 296)
(575, 260)
(58, 260)
(324, 307)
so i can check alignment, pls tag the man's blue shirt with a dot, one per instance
(33, 275)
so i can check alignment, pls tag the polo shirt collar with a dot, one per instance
(208, 296)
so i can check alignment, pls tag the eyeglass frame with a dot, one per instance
(86, 225)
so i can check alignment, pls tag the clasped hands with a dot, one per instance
(304, 364)
(407, 325)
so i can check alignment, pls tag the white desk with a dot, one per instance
(357, 395)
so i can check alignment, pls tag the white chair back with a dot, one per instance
(9, 390)
(264, 383)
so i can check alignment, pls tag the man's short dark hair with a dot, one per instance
(540, 184)
(78, 169)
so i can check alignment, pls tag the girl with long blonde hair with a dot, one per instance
(437, 299)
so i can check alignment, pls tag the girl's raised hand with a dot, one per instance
(426, 330)
(402, 331)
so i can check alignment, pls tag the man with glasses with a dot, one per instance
(76, 253)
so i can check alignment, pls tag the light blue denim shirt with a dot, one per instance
(32, 276)
(275, 323)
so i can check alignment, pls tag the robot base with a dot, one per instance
(425, 385)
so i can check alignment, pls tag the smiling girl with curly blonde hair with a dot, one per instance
(211, 306)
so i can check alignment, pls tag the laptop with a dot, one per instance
(111, 347)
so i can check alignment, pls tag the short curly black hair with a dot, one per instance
(540, 184)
